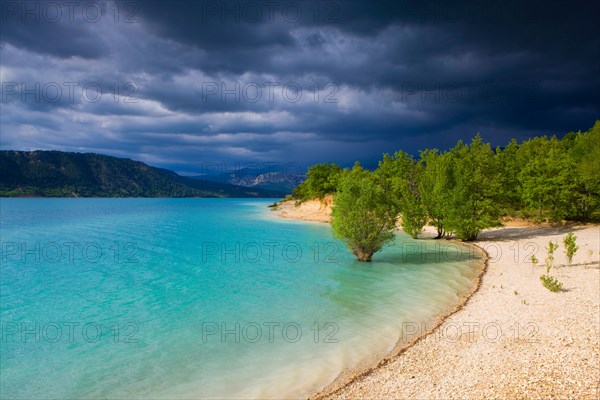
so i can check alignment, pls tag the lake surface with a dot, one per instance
(200, 298)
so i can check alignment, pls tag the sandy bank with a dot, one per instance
(311, 210)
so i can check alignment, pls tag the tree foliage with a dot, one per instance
(401, 175)
(474, 194)
(363, 215)
(585, 155)
(545, 179)
(469, 187)
(321, 180)
(435, 186)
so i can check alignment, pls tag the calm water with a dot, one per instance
(193, 298)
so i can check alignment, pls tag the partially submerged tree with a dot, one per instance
(363, 214)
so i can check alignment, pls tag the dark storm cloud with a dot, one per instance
(390, 74)
(59, 29)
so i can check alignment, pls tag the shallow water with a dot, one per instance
(200, 298)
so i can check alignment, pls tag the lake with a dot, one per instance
(201, 298)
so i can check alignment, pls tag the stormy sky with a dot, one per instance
(185, 84)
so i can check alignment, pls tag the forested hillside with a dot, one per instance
(64, 174)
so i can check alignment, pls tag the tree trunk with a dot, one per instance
(440, 232)
(363, 255)
(471, 238)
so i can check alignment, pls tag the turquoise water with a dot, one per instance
(199, 298)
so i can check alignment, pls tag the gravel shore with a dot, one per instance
(514, 338)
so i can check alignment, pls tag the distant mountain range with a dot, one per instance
(66, 174)
(272, 178)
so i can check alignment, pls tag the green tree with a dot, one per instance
(547, 183)
(400, 175)
(363, 216)
(585, 156)
(434, 187)
(321, 180)
(508, 164)
(474, 196)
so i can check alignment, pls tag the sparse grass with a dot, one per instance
(534, 260)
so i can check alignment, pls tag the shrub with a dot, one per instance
(570, 246)
(551, 283)
(550, 258)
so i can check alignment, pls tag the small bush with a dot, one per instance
(550, 259)
(551, 283)
(570, 246)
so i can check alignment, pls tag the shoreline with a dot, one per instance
(389, 378)
(320, 211)
(346, 380)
